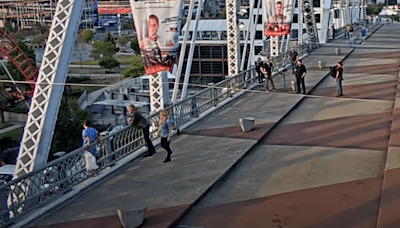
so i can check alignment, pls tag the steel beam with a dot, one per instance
(183, 52)
(327, 6)
(232, 37)
(191, 51)
(42, 116)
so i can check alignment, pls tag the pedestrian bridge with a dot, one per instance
(313, 150)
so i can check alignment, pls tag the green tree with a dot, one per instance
(394, 17)
(109, 63)
(135, 69)
(123, 41)
(38, 39)
(106, 49)
(374, 9)
(126, 24)
(87, 35)
(69, 123)
(223, 13)
(109, 39)
(30, 54)
(135, 44)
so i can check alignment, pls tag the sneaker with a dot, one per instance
(167, 160)
(267, 91)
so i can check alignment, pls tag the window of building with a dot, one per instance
(256, 4)
(337, 13)
(206, 67)
(257, 49)
(205, 52)
(294, 33)
(225, 68)
(216, 52)
(259, 35)
(225, 51)
(295, 18)
(259, 20)
(317, 18)
(217, 67)
(316, 3)
(195, 67)
(295, 4)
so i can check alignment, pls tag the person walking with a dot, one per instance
(89, 134)
(339, 78)
(300, 73)
(292, 58)
(259, 64)
(266, 69)
(166, 126)
(135, 118)
(363, 32)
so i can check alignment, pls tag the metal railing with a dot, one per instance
(34, 190)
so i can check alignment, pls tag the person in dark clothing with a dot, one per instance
(293, 57)
(259, 64)
(266, 69)
(339, 78)
(135, 118)
(300, 73)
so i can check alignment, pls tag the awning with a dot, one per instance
(114, 10)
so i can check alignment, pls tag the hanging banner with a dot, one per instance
(157, 25)
(277, 17)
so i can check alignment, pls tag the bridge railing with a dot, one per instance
(23, 195)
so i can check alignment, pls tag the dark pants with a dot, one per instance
(293, 66)
(146, 136)
(268, 78)
(339, 86)
(165, 145)
(300, 81)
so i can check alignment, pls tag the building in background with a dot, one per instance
(210, 55)
(26, 14)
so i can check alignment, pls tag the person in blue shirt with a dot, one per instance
(166, 126)
(363, 33)
(89, 134)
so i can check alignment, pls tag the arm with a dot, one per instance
(304, 73)
(88, 142)
(98, 139)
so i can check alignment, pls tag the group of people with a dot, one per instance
(135, 119)
(264, 70)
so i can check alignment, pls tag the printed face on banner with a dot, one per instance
(277, 17)
(157, 26)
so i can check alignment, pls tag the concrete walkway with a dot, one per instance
(332, 162)
(288, 160)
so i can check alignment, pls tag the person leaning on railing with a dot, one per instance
(135, 118)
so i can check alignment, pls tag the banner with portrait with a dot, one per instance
(277, 17)
(157, 24)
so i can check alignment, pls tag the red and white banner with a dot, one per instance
(157, 25)
(277, 17)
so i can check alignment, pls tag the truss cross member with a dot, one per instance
(38, 133)
(232, 37)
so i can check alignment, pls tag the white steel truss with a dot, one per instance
(300, 23)
(158, 91)
(232, 37)
(274, 46)
(39, 128)
(343, 10)
(309, 19)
